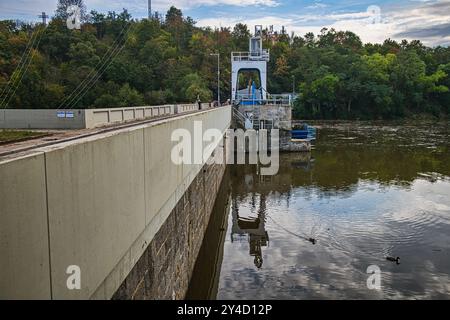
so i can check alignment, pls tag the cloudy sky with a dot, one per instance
(373, 21)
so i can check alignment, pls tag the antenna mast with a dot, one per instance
(44, 17)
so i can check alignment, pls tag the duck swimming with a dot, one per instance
(392, 259)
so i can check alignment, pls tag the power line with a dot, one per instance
(95, 74)
(16, 74)
(100, 73)
(22, 68)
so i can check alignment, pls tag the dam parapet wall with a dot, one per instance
(98, 204)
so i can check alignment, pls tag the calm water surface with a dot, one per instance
(366, 192)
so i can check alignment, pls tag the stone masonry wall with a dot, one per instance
(164, 270)
(281, 115)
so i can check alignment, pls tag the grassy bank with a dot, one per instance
(7, 136)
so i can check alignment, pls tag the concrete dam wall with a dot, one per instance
(115, 206)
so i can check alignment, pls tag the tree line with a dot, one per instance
(116, 61)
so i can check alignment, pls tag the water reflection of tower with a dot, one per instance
(251, 228)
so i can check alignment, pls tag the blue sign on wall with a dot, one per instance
(64, 114)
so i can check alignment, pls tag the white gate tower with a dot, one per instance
(254, 60)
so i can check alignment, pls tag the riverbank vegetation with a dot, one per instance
(115, 61)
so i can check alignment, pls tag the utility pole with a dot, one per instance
(44, 17)
(149, 9)
(218, 76)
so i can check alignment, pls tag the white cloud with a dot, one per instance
(31, 8)
(394, 24)
(317, 5)
(416, 21)
(182, 4)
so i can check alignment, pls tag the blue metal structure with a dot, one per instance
(305, 133)
(252, 99)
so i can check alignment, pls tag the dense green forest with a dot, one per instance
(116, 61)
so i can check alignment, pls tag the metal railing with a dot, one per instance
(275, 99)
(239, 117)
(264, 55)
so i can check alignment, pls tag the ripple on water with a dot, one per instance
(389, 197)
(368, 235)
(377, 238)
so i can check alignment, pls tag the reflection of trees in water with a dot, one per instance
(334, 169)
(387, 155)
(337, 170)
